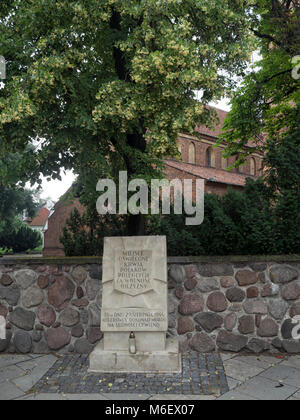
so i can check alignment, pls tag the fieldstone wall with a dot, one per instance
(53, 305)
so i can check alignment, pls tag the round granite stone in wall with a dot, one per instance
(291, 291)
(246, 324)
(32, 297)
(268, 328)
(278, 308)
(25, 278)
(191, 304)
(207, 284)
(202, 343)
(231, 342)
(217, 302)
(61, 292)
(185, 325)
(79, 274)
(46, 315)
(57, 338)
(246, 277)
(23, 342)
(10, 294)
(177, 274)
(235, 294)
(209, 321)
(283, 274)
(5, 280)
(22, 319)
(69, 317)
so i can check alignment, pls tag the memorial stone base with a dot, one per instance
(121, 361)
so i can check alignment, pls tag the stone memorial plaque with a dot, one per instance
(134, 280)
(134, 313)
(134, 320)
(133, 271)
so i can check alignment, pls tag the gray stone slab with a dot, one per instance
(64, 397)
(283, 374)
(40, 364)
(293, 361)
(264, 389)
(171, 397)
(33, 370)
(9, 372)
(233, 383)
(237, 396)
(227, 356)
(120, 397)
(11, 359)
(297, 395)
(240, 371)
(10, 392)
(263, 362)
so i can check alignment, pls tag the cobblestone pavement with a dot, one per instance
(201, 374)
(56, 377)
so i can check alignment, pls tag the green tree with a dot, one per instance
(264, 105)
(93, 80)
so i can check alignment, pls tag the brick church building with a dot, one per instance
(200, 160)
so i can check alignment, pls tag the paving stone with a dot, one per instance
(283, 374)
(265, 389)
(236, 395)
(9, 392)
(241, 371)
(9, 372)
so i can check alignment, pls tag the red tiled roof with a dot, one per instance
(210, 174)
(41, 218)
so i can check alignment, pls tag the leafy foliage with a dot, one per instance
(19, 237)
(265, 103)
(91, 80)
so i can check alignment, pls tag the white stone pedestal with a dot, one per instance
(121, 361)
(134, 315)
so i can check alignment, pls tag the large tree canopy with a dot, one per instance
(94, 79)
(265, 104)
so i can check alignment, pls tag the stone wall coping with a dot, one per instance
(171, 260)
